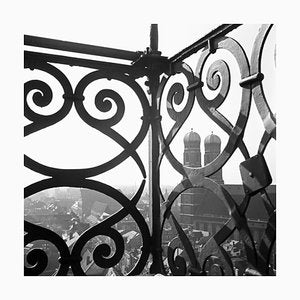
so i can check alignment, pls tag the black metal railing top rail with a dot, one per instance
(256, 178)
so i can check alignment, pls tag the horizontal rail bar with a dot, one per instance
(81, 62)
(41, 42)
(201, 43)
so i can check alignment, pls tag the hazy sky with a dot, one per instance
(73, 144)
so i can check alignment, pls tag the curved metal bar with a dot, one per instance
(209, 107)
(270, 208)
(43, 99)
(263, 108)
(259, 260)
(103, 228)
(217, 71)
(232, 225)
(266, 138)
(240, 222)
(237, 220)
(122, 77)
(128, 208)
(213, 259)
(93, 171)
(266, 244)
(104, 126)
(186, 243)
(216, 265)
(178, 264)
(101, 125)
(129, 150)
(176, 94)
(37, 257)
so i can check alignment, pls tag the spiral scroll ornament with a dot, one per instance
(218, 76)
(102, 253)
(176, 96)
(42, 97)
(38, 257)
(111, 107)
(177, 264)
(103, 104)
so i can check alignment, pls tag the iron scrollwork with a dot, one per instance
(103, 255)
(218, 77)
(181, 257)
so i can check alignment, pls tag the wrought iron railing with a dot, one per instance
(212, 259)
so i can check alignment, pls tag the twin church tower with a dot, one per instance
(200, 208)
(192, 152)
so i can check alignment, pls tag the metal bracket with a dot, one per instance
(255, 174)
(195, 85)
(153, 62)
(258, 77)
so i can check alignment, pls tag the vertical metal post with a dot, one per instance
(154, 38)
(154, 148)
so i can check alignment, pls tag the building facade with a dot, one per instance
(201, 209)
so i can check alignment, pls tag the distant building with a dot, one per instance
(94, 203)
(201, 209)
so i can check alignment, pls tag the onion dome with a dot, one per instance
(192, 140)
(212, 139)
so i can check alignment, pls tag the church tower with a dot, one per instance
(190, 198)
(192, 153)
(198, 204)
(212, 145)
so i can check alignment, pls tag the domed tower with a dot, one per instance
(189, 202)
(192, 154)
(212, 146)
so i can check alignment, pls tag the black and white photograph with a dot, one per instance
(143, 164)
(147, 147)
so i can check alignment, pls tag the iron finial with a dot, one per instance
(154, 37)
